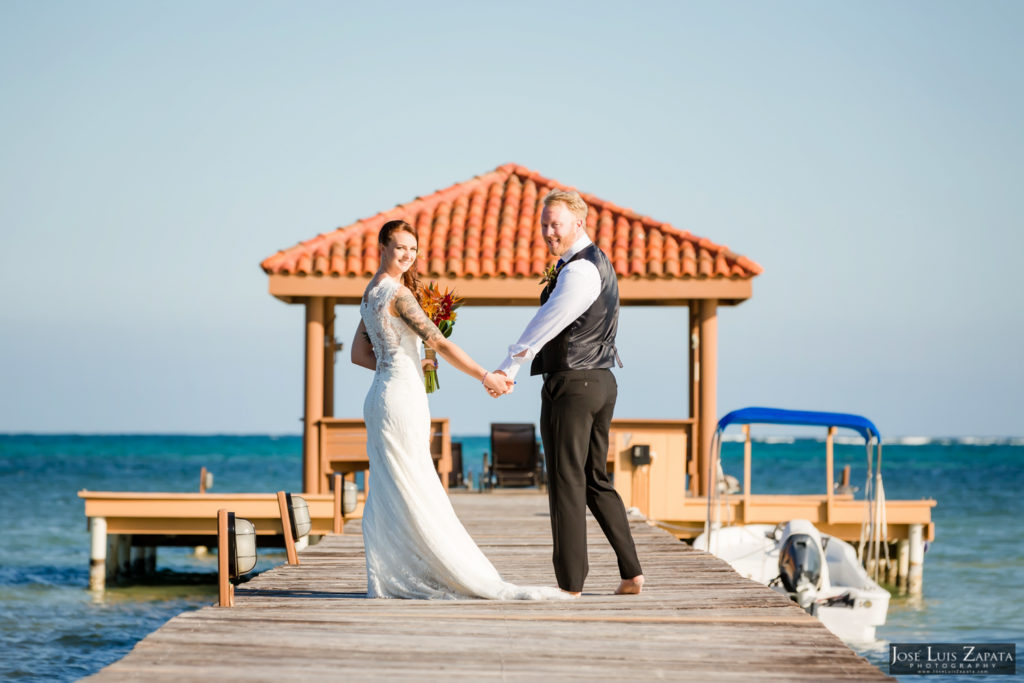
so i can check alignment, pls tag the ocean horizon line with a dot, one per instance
(909, 440)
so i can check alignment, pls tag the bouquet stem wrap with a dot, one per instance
(430, 376)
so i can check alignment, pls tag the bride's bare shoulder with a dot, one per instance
(372, 285)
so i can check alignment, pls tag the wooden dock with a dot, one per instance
(696, 619)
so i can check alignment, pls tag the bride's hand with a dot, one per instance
(428, 364)
(497, 384)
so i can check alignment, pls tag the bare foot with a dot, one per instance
(631, 586)
(574, 594)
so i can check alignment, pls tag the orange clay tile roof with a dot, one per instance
(490, 225)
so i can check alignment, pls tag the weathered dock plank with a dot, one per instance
(695, 619)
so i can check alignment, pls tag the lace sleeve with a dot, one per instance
(410, 311)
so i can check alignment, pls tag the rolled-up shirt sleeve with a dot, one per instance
(577, 287)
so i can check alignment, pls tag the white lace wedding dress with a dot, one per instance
(415, 545)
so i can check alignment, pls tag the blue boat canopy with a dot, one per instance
(812, 418)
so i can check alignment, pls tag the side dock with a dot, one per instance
(695, 619)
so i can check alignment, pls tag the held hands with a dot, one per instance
(497, 384)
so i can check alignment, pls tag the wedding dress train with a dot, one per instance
(416, 547)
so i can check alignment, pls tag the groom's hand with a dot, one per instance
(497, 384)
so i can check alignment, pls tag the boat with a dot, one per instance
(819, 572)
(823, 574)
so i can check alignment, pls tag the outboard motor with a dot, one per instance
(800, 561)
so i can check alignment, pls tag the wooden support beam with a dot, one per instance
(708, 376)
(746, 473)
(112, 545)
(286, 528)
(98, 553)
(693, 363)
(314, 395)
(124, 556)
(138, 562)
(830, 439)
(329, 356)
(915, 578)
(519, 290)
(903, 562)
(339, 517)
(225, 592)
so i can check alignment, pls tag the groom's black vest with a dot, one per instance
(588, 343)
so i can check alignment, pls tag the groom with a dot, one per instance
(571, 342)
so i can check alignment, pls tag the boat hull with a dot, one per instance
(848, 602)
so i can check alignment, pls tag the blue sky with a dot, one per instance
(868, 155)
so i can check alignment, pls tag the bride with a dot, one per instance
(416, 547)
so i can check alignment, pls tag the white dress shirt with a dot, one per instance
(577, 287)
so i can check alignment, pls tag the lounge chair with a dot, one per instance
(455, 476)
(515, 455)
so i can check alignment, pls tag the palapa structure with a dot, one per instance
(483, 237)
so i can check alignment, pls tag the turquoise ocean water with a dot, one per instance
(52, 628)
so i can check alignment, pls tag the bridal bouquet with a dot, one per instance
(440, 308)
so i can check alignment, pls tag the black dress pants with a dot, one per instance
(575, 415)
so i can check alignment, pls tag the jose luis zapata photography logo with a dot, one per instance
(953, 658)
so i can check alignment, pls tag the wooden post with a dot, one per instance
(746, 474)
(915, 578)
(113, 544)
(138, 560)
(286, 528)
(829, 474)
(314, 399)
(224, 588)
(891, 568)
(124, 556)
(641, 489)
(708, 377)
(445, 463)
(98, 553)
(339, 489)
(330, 351)
(693, 358)
(150, 559)
(903, 553)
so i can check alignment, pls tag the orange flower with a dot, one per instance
(440, 308)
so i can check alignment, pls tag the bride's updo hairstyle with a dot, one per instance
(410, 278)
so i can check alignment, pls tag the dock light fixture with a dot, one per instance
(236, 553)
(294, 521)
(242, 554)
(298, 514)
(349, 492)
(640, 455)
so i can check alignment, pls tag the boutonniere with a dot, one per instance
(549, 275)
